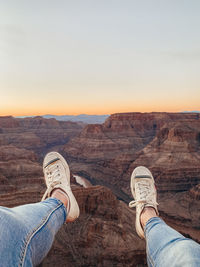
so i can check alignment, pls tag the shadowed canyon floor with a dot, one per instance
(105, 155)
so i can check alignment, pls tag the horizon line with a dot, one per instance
(104, 114)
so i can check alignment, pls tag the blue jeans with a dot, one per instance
(27, 232)
(168, 248)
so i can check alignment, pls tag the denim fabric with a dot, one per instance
(27, 232)
(168, 248)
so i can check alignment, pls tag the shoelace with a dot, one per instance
(54, 178)
(144, 194)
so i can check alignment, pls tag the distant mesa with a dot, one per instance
(88, 119)
(192, 111)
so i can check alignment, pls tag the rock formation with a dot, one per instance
(105, 154)
(37, 134)
(104, 234)
(168, 144)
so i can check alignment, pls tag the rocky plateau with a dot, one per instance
(104, 155)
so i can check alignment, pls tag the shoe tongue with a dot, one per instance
(143, 176)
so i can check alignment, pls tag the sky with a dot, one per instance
(99, 57)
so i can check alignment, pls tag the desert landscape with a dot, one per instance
(110, 85)
(101, 158)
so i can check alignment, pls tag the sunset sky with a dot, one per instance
(99, 57)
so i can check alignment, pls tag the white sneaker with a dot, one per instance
(57, 175)
(144, 193)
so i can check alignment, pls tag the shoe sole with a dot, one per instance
(72, 199)
(141, 172)
(57, 156)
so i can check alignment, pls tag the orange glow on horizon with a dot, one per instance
(97, 111)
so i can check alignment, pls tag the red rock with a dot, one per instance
(104, 234)
(167, 143)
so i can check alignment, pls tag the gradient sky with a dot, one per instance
(99, 56)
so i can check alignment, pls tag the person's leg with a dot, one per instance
(27, 232)
(164, 245)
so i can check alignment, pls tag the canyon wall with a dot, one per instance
(167, 143)
(105, 155)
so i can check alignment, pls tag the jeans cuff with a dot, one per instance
(148, 223)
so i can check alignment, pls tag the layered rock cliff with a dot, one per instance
(168, 144)
(36, 134)
(23, 142)
(104, 235)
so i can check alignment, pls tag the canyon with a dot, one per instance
(104, 155)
